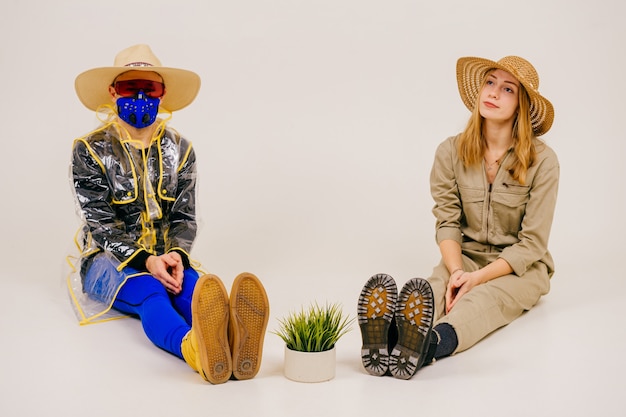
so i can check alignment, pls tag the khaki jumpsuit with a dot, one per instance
(505, 220)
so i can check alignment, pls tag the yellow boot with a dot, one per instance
(205, 347)
(249, 314)
(189, 347)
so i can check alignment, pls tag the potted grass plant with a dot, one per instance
(310, 336)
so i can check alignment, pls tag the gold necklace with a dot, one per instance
(489, 166)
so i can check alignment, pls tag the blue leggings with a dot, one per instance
(165, 317)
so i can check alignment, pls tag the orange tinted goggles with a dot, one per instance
(130, 88)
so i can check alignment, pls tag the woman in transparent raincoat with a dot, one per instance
(134, 180)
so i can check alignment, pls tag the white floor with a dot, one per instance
(563, 358)
(315, 129)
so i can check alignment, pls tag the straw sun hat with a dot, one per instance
(182, 85)
(471, 71)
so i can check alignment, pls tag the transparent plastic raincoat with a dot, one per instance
(133, 202)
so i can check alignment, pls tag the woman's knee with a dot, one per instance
(137, 289)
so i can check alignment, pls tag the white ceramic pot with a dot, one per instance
(310, 366)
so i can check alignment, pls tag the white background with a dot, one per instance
(315, 129)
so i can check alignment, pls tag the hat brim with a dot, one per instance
(182, 86)
(470, 73)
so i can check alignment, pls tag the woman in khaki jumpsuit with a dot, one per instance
(495, 187)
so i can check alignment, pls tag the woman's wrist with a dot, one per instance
(454, 271)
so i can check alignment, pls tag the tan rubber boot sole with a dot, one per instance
(249, 314)
(210, 313)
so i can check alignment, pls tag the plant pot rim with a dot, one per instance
(310, 351)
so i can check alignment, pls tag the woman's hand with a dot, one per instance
(168, 270)
(460, 283)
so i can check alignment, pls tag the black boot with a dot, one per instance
(432, 348)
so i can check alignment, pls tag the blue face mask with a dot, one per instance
(139, 111)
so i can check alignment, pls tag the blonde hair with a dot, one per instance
(472, 145)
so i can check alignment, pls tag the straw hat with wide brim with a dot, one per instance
(471, 72)
(181, 85)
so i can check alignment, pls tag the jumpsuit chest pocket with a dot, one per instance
(473, 201)
(508, 204)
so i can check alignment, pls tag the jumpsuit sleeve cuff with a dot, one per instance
(449, 233)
